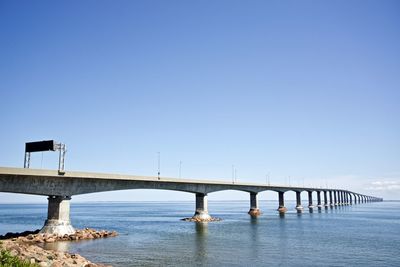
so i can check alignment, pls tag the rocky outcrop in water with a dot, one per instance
(198, 219)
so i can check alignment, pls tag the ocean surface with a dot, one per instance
(152, 234)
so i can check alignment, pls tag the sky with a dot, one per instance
(303, 92)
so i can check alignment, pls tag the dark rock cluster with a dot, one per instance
(197, 219)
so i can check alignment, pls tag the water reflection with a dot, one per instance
(62, 246)
(201, 243)
(201, 229)
(283, 241)
(254, 237)
(254, 219)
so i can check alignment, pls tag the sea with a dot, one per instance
(153, 234)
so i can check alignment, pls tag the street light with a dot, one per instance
(159, 171)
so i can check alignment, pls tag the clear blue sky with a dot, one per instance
(303, 89)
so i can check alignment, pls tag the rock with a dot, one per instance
(197, 219)
(23, 246)
(38, 239)
(50, 240)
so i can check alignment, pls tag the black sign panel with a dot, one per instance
(40, 146)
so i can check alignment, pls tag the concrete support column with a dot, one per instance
(254, 210)
(351, 199)
(281, 208)
(346, 199)
(326, 199)
(310, 201)
(299, 207)
(335, 198)
(319, 204)
(58, 221)
(201, 213)
(331, 202)
(340, 202)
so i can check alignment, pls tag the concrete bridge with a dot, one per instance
(60, 187)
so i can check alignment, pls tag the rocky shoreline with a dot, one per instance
(26, 246)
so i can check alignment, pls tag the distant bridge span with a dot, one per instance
(60, 188)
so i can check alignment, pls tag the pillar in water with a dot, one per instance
(326, 205)
(310, 200)
(201, 213)
(58, 221)
(299, 208)
(281, 208)
(254, 210)
(335, 198)
(331, 201)
(319, 205)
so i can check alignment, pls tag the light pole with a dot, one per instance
(233, 174)
(159, 171)
(180, 169)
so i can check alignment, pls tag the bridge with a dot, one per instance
(61, 186)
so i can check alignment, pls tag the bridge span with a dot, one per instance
(60, 187)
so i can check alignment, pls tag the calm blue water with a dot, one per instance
(151, 234)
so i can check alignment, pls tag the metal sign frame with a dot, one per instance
(48, 145)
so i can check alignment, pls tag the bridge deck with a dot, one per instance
(73, 183)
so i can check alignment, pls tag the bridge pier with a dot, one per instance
(299, 208)
(342, 201)
(319, 205)
(201, 213)
(331, 202)
(310, 201)
(58, 221)
(281, 208)
(326, 205)
(335, 198)
(254, 210)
